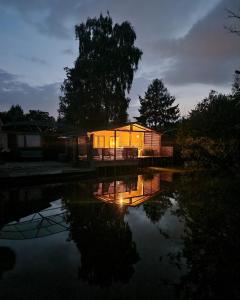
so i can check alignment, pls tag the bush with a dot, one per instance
(206, 152)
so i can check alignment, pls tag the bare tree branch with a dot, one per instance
(232, 14)
(235, 28)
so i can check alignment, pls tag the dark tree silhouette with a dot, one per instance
(210, 135)
(215, 117)
(156, 108)
(211, 238)
(14, 114)
(40, 117)
(94, 92)
(157, 207)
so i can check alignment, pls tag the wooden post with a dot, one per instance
(152, 147)
(115, 190)
(77, 150)
(90, 151)
(130, 138)
(160, 141)
(130, 144)
(115, 144)
(74, 149)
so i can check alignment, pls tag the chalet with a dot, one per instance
(125, 142)
(128, 142)
(28, 140)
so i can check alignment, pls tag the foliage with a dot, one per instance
(156, 108)
(94, 92)
(206, 152)
(217, 116)
(40, 116)
(156, 207)
(16, 114)
(210, 135)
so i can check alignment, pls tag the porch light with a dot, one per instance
(121, 200)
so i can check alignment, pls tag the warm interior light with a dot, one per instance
(121, 200)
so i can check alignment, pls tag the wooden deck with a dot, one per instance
(116, 163)
(138, 162)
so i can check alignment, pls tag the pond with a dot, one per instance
(143, 236)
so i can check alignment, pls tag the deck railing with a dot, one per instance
(114, 154)
(110, 154)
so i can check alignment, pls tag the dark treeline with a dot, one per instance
(209, 136)
(16, 114)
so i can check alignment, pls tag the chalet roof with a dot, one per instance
(109, 127)
(120, 126)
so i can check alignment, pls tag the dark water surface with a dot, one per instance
(146, 236)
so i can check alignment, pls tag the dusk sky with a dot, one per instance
(184, 43)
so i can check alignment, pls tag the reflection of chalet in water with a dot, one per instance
(132, 191)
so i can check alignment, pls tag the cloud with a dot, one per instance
(6, 77)
(34, 59)
(183, 42)
(67, 51)
(14, 91)
(207, 54)
(50, 17)
(150, 18)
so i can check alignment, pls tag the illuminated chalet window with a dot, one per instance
(112, 142)
(99, 141)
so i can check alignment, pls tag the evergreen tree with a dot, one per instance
(156, 108)
(94, 92)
